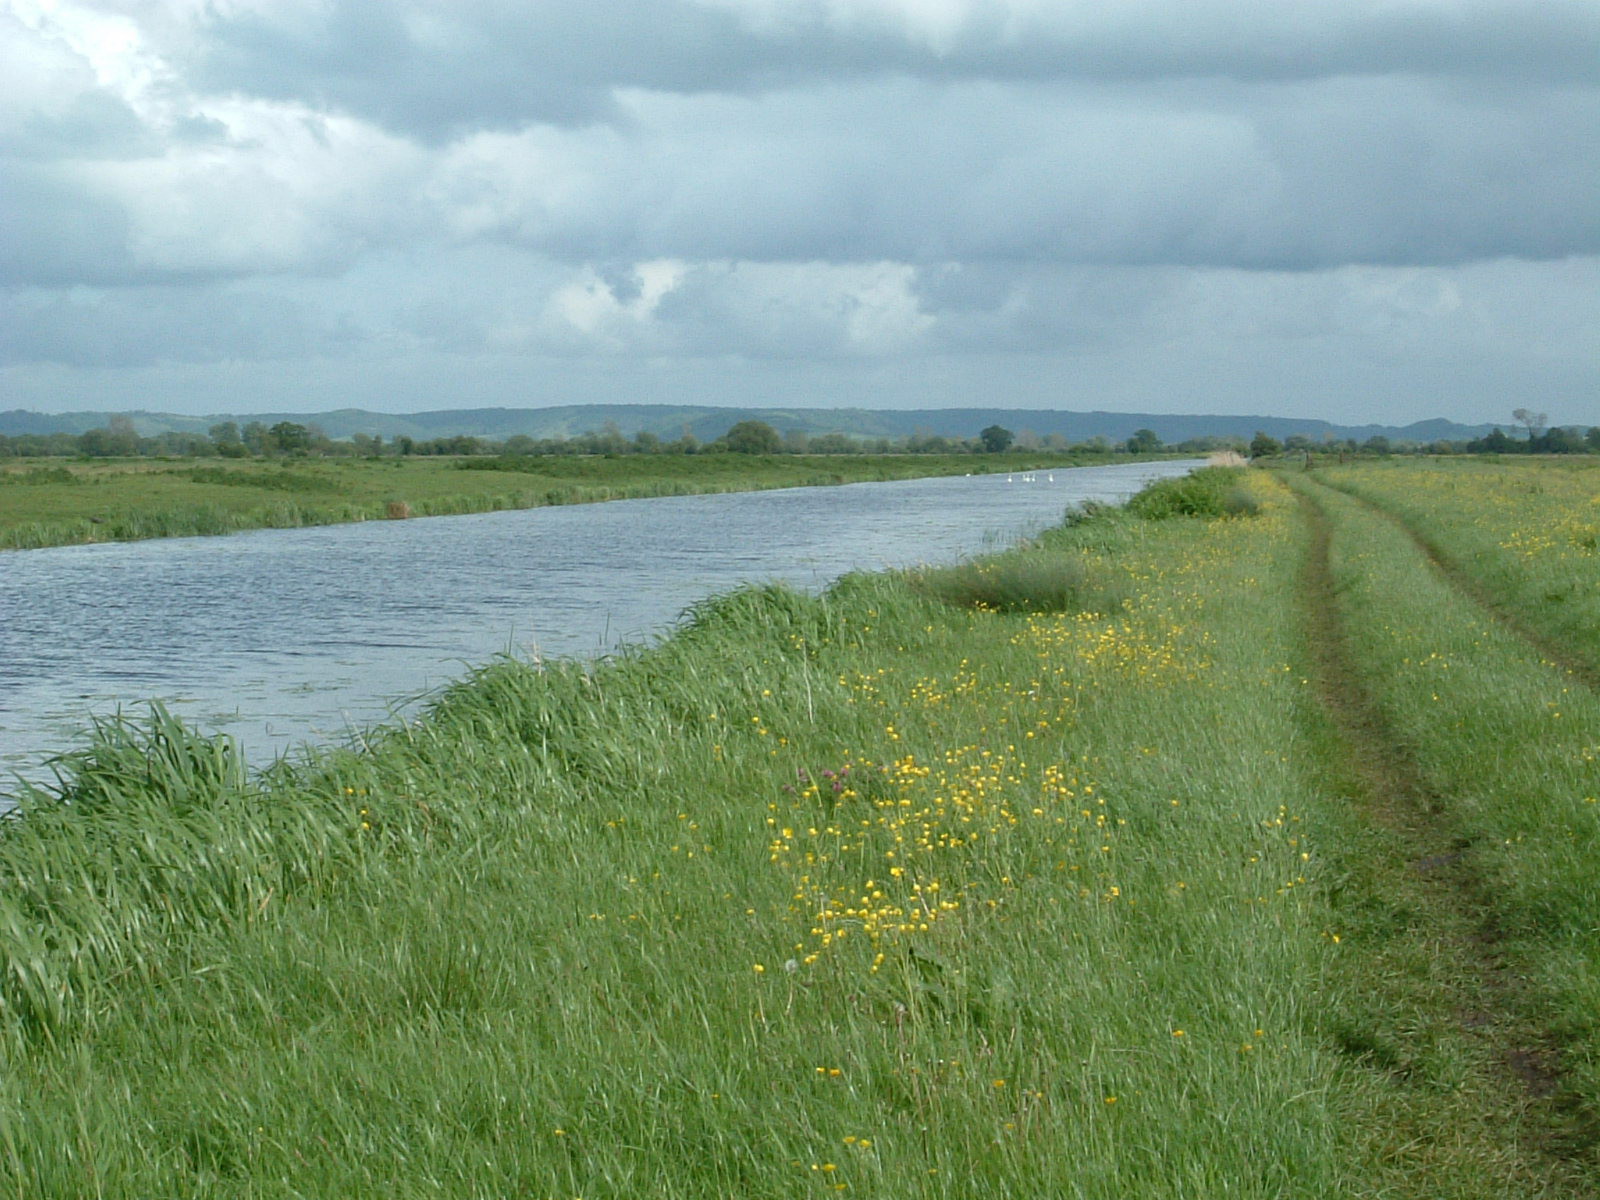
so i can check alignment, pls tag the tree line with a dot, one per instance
(1537, 440)
(290, 439)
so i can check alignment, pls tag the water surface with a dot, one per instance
(282, 637)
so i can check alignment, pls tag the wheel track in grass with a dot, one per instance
(1434, 863)
(1580, 667)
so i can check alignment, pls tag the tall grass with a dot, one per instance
(1209, 492)
(1019, 582)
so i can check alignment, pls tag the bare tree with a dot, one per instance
(1533, 422)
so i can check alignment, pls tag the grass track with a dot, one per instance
(1524, 534)
(1428, 857)
(1478, 803)
(1096, 903)
(1578, 657)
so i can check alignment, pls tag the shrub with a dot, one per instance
(40, 475)
(1208, 492)
(1086, 511)
(283, 480)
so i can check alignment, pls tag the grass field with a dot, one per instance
(1530, 535)
(1171, 856)
(46, 503)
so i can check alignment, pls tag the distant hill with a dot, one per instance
(707, 423)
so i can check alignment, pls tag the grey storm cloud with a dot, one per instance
(1320, 173)
(807, 131)
(436, 70)
(52, 233)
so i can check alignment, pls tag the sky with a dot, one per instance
(1356, 210)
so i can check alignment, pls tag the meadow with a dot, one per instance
(44, 502)
(1219, 845)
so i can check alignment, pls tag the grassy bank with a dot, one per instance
(1052, 876)
(46, 503)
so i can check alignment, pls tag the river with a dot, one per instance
(286, 637)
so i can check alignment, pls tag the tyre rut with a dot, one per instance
(1578, 666)
(1493, 1005)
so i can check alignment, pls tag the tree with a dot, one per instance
(119, 439)
(1495, 442)
(1531, 421)
(1144, 441)
(97, 443)
(832, 443)
(753, 437)
(609, 440)
(996, 439)
(286, 437)
(1264, 446)
(1563, 441)
(126, 435)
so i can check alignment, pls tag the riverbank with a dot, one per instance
(47, 503)
(910, 889)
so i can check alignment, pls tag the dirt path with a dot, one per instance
(1434, 867)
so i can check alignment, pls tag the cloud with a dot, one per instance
(143, 326)
(1390, 171)
(437, 70)
(286, 191)
(720, 132)
(54, 232)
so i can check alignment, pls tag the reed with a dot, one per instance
(1023, 582)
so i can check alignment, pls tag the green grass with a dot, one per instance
(119, 500)
(1508, 742)
(867, 889)
(1527, 529)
